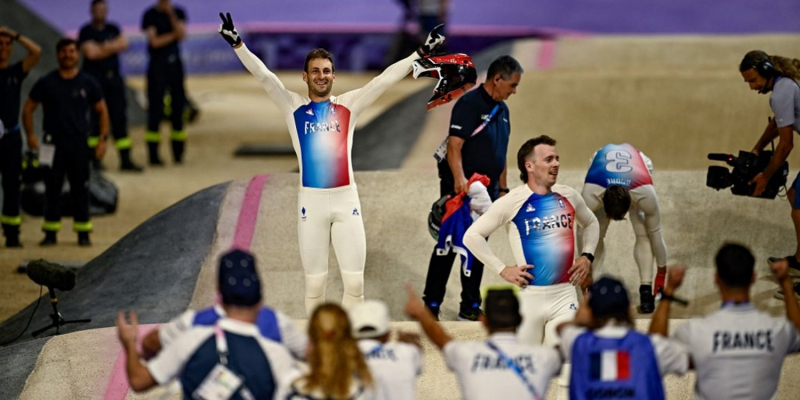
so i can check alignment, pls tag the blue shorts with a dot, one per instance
(796, 187)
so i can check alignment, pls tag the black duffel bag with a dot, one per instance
(103, 194)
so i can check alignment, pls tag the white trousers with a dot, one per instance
(325, 216)
(642, 249)
(543, 308)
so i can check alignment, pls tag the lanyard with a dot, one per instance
(516, 368)
(222, 345)
(441, 152)
(222, 352)
(486, 121)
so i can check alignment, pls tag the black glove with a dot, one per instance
(228, 32)
(432, 42)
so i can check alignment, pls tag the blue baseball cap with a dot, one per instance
(607, 297)
(239, 284)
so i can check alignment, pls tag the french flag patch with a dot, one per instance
(610, 365)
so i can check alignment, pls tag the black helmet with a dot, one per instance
(438, 209)
(455, 72)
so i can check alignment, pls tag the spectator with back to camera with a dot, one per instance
(336, 368)
(610, 360)
(737, 351)
(501, 367)
(229, 359)
(394, 365)
(779, 75)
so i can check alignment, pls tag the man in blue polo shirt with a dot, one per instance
(230, 357)
(477, 143)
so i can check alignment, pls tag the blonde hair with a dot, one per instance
(788, 67)
(334, 358)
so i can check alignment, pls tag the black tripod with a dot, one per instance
(58, 320)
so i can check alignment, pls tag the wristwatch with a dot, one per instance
(590, 256)
(504, 190)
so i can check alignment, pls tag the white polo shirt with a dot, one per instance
(738, 352)
(395, 367)
(170, 362)
(294, 338)
(482, 374)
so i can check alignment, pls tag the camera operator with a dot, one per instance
(779, 75)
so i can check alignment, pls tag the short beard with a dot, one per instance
(64, 65)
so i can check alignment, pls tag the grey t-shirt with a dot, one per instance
(738, 352)
(785, 103)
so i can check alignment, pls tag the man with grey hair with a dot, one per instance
(477, 143)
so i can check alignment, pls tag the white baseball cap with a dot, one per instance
(369, 319)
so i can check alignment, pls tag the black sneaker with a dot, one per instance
(796, 288)
(470, 315)
(83, 239)
(647, 303)
(49, 239)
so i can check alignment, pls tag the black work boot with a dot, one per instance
(13, 241)
(152, 149)
(11, 232)
(647, 303)
(126, 164)
(177, 151)
(49, 239)
(83, 239)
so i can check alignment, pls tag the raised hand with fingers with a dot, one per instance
(228, 32)
(434, 40)
(127, 333)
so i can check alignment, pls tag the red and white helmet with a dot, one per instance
(455, 72)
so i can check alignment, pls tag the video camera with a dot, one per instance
(745, 168)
